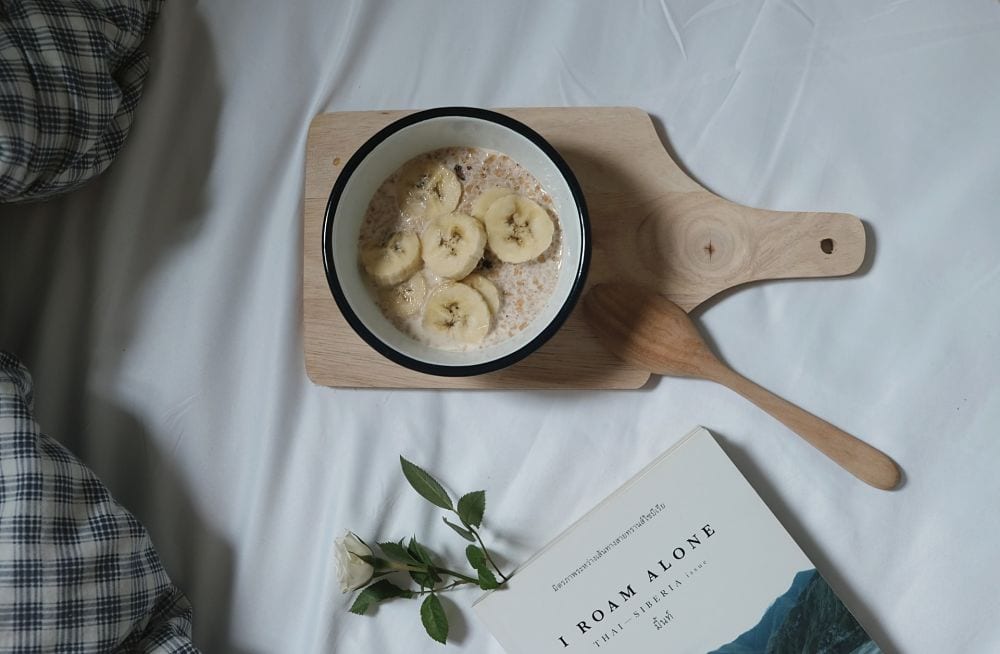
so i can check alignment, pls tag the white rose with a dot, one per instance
(352, 571)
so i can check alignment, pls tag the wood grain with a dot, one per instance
(651, 224)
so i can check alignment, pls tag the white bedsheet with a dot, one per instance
(159, 308)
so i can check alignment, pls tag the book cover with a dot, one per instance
(685, 557)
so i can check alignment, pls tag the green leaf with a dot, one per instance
(419, 552)
(476, 556)
(471, 508)
(424, 579)
(487, 580)
(423, 556)
(377, 592)
(396, 552)
(434, 619)
(477, 559)
(427, 486)
(461, 531)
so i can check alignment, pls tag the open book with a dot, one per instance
(684, 558)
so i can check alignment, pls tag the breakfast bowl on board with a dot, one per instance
(456, 241)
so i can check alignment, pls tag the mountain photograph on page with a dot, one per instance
(808, 617)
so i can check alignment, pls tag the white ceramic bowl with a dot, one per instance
(389, 149)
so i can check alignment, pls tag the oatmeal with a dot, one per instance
(461, 248)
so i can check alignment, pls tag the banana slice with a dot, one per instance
(518, 229)
(393, 262)
(404, 300)
(453, 244)
(482, 203)
(427, 189)
(487, 289)
(458, 312)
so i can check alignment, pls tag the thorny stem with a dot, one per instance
(489, 558)
(402, 567)
(442, 589)
(458, 575)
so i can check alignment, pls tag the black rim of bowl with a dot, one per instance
(433, 368)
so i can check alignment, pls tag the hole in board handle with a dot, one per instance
(826, 245)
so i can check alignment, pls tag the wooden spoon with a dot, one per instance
(649, 331)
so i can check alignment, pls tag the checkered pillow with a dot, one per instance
(78, 573)
(71, 73)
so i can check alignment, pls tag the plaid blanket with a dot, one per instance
(78, 573)
(71, 73)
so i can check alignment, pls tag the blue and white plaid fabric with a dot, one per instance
(78, 573)
(71, 74)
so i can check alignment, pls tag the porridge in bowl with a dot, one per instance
(460, 248)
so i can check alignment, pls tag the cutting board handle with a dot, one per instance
(806, 244)
(697, 240)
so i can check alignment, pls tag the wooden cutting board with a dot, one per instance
(651, 223)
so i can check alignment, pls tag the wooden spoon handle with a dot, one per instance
(865, 462)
